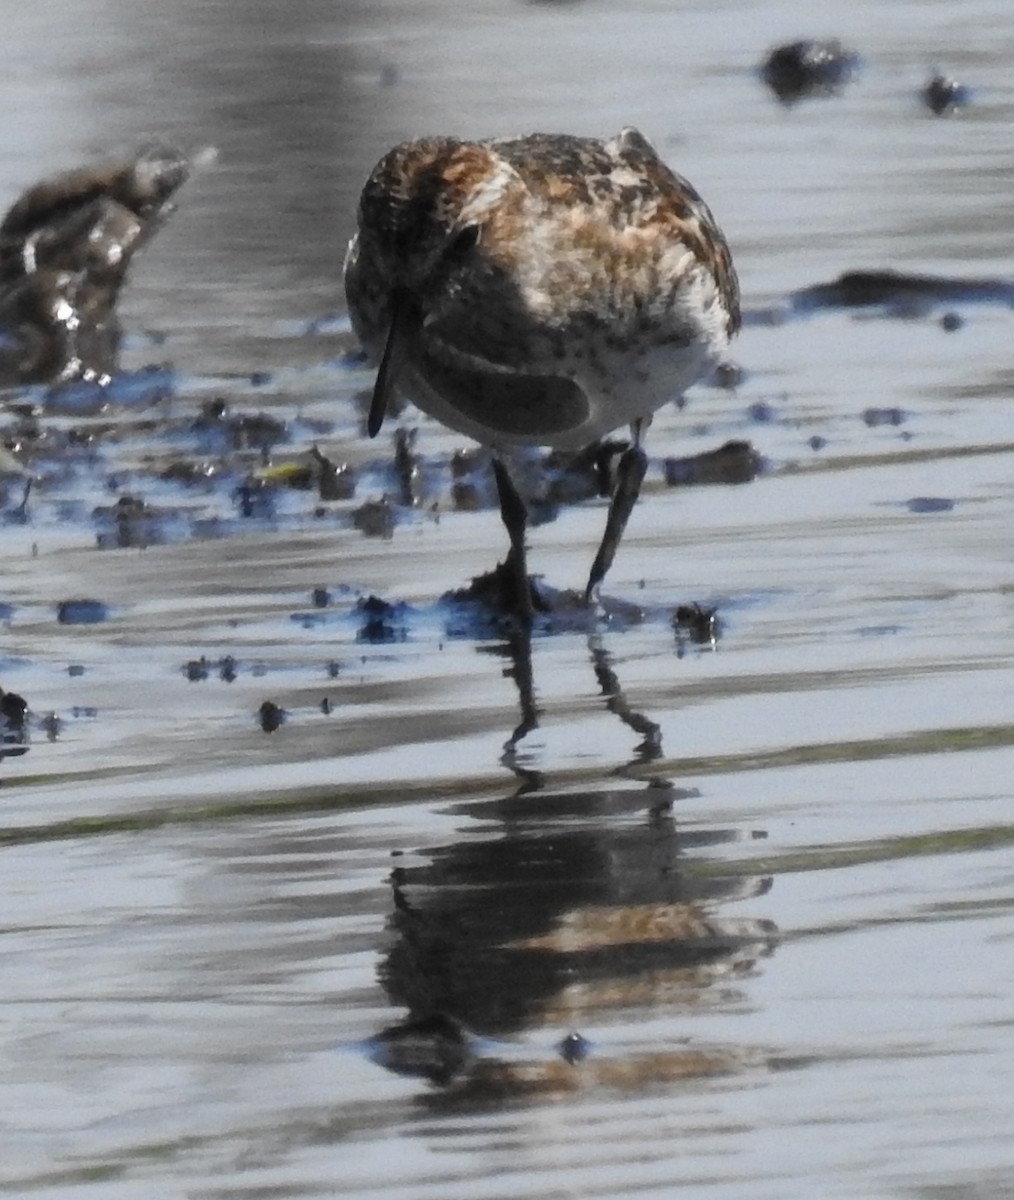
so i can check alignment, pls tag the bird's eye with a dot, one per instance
(461, 242)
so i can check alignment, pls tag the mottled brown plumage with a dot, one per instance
(538, 290)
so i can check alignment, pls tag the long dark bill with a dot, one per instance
(406, 322)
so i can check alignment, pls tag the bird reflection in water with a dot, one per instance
(554, 916)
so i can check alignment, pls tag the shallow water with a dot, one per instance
(769, 882)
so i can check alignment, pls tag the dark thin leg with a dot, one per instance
(629, 474)
(515, 518)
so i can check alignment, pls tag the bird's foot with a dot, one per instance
(506, 592)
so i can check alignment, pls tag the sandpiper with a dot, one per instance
(539, 290)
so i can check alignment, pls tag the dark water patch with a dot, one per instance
(930, 504)
(82, 612)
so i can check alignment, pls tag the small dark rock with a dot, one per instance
(13, 710)
(227, 669)
(817, 442)
(270, 716)
(951, 322)
(762, 412)
(734, 462)
(13, 725)
(129, 523)
(320, 597)
(727, 375)
(375, 518)
(883, 416)
(383, 622)
(809, 68)
(257, 432)
(467, 496)
(943, 95)
(466, 462)
(75, 669)
(334, 481)
(574, 1048)
(196, 670)
(697, 624)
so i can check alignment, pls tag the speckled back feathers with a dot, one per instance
(545, 256)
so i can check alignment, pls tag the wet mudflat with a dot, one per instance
(625, 914)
